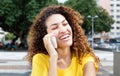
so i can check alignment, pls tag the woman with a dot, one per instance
(73, 55)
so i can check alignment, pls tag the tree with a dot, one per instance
(89, 7)
(16, 16)
(9, 36)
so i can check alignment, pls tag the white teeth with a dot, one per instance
(64, 37)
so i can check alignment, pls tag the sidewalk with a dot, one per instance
(14, 64)
(106, 58)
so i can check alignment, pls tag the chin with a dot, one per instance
(66, 44)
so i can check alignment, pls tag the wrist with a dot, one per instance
(53, 59)
(53, 55)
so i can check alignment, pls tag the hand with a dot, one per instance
(49, 46)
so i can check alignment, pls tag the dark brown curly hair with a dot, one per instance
(80, 46)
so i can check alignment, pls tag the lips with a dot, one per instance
(64, 37)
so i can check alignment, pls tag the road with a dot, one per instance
(14, 63)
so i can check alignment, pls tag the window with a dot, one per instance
(112, 33)
(118, 10)
(118, 33)
(118, 22)
(118, 16)
(114, 40)
(112, 10)
(117, 27)
(118, 5)
(112, 16)
(1, 32)
(112, 27)
(111, 5)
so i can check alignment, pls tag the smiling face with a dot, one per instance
(59, 26)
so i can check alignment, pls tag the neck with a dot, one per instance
(64, 53)
(64, 58)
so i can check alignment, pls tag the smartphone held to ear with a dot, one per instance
(54, 42)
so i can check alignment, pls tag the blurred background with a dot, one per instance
(101, 26)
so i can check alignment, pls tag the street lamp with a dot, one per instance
(92, 19)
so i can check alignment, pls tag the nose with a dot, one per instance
(62, 29)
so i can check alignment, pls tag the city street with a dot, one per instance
(14, 63)
(80, 24)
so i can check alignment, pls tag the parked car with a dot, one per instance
(95, 45)
(106, 46)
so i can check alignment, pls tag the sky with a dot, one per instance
(62, 1)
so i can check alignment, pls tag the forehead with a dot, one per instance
(54, 19)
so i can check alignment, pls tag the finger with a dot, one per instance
(47, 41)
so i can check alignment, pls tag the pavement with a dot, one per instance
(13, 63)
(106, 57)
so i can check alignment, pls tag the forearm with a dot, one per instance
(52, 67)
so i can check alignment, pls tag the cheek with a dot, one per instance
(48, 30)
(70, 29)
(55, 33)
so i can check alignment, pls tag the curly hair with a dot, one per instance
(80, 46)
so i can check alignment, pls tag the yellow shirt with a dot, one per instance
(40, 66)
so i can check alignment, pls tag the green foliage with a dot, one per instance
(89, 7)
(16, 16)
(9, 36)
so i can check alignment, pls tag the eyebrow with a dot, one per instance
(56, 23)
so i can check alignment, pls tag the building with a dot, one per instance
(2, 35)
(113, 8)
(105, 4)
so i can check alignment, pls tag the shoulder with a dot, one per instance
(40, 57)
(88, 59)
(39, 65)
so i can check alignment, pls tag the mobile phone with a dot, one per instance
(54, 42)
